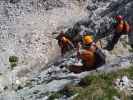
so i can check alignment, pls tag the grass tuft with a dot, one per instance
(101, 87)
(13, 61)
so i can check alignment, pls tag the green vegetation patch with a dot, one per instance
(66, 92)
(96, 87)
(55, 95)
(130, 50)
(13, 61)
(100, 86)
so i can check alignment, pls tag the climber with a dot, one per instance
(90, 54)
(72, 38)
(64, 43)
(120, 27)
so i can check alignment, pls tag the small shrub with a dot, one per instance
(101, 87)
(55, 95)
(13, 61)
(65, 92)
(130, 50)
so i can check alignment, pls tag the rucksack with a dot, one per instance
(100, 57)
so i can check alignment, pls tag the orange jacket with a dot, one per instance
(88, 55)
(65, 42)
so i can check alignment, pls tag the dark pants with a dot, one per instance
(130, 38)
(114, 41)
(132, 46)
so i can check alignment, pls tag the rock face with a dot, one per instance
(26, 27)
(25, 31)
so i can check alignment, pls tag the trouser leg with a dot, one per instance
(130, 39)
(131, 46)
(62, 52)
(114, 41)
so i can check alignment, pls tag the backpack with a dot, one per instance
(100, 58)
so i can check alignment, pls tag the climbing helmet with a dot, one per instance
(88, 39)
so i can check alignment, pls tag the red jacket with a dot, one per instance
(123, 27)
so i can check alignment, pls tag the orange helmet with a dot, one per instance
(87, 39)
